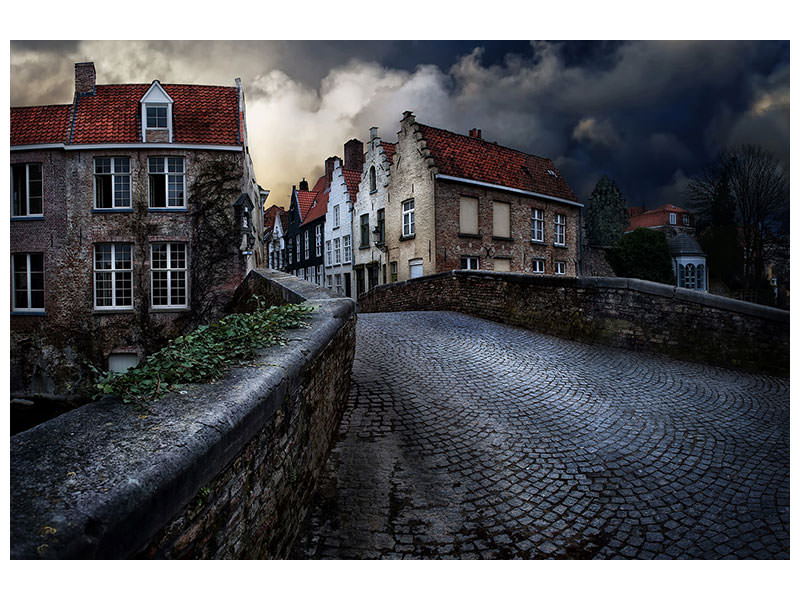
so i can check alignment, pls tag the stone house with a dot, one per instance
(369, 220)
(669, 218)
(135, 215)
(345, 178)
(461, 202)
(305, 229)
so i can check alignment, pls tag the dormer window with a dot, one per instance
(156, 115)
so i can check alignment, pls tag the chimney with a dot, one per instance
(303, 187)
(354, 155)
(475, 133)
(329, 164)
(85, 77)
(373, 133)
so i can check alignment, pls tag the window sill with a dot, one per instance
(497, 238)
(559, 245)
(113, 311)
(28, 313)
(403, 238)
(167, 209)
(375, 191)
(476, 236)
(169, 309)
(364, 247)
(538, 243)
(111, 210)
(31, 218)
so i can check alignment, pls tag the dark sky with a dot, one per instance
(648, 114)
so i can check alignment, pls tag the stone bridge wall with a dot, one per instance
(222, 470)
(626, 313)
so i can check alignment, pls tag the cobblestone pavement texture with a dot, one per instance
(465, 438)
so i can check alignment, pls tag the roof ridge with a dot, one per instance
(42, 106)
(469, 137)
(203, 85)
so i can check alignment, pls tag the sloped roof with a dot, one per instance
(270, 215)
(352, 179)
(655, 217)
(389, 149)
(682, 244)
(39, 124)
(474, 158)
(305, 199)
(319, 208)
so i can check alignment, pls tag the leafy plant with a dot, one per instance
(205, 354)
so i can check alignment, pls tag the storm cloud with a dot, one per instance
(648, 114)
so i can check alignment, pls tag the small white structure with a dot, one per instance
(688, 263)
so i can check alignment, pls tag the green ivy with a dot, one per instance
(205, 354)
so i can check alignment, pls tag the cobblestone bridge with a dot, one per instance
(465, 438)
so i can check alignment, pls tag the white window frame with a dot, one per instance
(177, 176)
(560, 230)
(346, 249)
(318, 244)
(169, 270)
(561, 267)
(114, 174)
(537, 225)
(337, 251)
(302, 274)
(336, 221)
(338, 279)
(28, 283)
(473, 263)
(538, 266)
(114, 270)
(155, 105)
(330, 282)
(685, 220)
(673, 218)
(306, 248)
(328, 253)
(28, 212)
(408, 218)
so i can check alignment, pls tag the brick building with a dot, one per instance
(669, 218)
(135, 215)
(460, 202)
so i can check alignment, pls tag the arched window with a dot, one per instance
(681, 275)
(701, 277)
(373, 181)
(691, 279)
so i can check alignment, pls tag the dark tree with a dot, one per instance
(607, 215)
(642, 254)
(747, 186)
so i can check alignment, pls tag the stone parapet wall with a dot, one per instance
(221, 470)
(628, 313)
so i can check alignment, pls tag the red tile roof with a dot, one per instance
(658, 217)
(319, 208)
(305, 199)
(270, 215)
(474, 158)
(202, 114)
(39, 124)
(352, 179)
(389, 149)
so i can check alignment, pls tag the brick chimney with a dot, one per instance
(85, 77)
(303, 187)
(329, 164)
(354, 155)
(475, 133)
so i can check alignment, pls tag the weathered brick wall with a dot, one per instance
(451, 244)
(222, 470)
(627, 313)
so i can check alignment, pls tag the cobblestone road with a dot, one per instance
(464, 438)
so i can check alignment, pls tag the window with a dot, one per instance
(26, 190)
(690, 280)
(306, 248)
(328, 253)
(28, 282)
(538, 265)
(501, 220)
(502, 264)
(112, 183)
(537, 225)
(408, 219)
(685, 220)
(673, 218)
(415, 268)
(318, 276)
(337, 251)
(336, 216)
(166, 178)
(330, 281)
(156, 117)
(469, 262)
(364, 231)
(168, 275)
(381, 226)
(561, 267)
(373, 180)
(289, 251)
(338, 283)
(468, 215)
(318, 245)
(701, 277)
(560, 230)
(302, 274)
(297, 248)
(113, 276)
(347, 250)
(393, 270)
